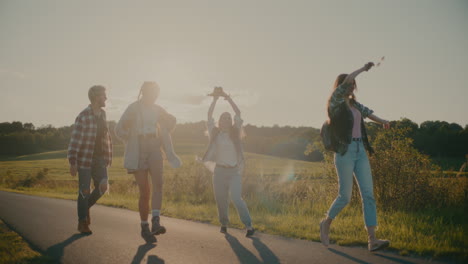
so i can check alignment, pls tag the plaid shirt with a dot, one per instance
(342, 119)
(338, 98)
(83, 138)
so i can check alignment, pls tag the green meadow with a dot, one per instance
(286, 197)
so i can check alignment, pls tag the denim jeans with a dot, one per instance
(354, 161)
(86, 198)
(225, 181)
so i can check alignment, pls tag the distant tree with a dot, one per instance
(28, 126)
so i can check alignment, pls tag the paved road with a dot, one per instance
(50, 225)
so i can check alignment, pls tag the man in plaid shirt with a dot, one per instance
(89, 154)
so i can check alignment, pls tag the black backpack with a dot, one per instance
(327, 138)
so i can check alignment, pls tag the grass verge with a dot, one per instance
(14, 250)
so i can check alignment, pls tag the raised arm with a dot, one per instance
(350, 78)
(233, 105)
(212, 107)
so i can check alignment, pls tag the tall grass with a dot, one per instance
(418, 211)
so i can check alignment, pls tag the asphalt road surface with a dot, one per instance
(50, 226)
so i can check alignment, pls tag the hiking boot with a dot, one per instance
(223, 230)
(83, 227)
(324, 231)
(156, 227)
(250, 232)
(378, 244)
(147, 235)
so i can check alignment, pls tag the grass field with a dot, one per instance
(14, 250)
(285, 197)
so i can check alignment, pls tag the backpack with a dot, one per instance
(326, 135)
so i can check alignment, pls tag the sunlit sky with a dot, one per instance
(278, 59)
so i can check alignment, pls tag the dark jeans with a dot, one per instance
(86, 198)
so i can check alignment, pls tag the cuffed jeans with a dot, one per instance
(354, 161)
(86, 199)
(225, 181)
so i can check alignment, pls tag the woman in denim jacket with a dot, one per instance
(226, 153)
(145, 129)
(349, 139)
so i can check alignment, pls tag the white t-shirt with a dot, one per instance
(224, 152)
(150, 117)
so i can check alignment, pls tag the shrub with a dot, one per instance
(401, 174)
(404, 178)
(27, 181)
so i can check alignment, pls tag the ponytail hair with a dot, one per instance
(147, 85)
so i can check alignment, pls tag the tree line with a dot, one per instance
(438, 139)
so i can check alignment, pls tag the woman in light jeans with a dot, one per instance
(350, 143)
(225, 150)
(145, 129)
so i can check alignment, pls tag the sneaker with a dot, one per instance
(223, 230)
(83, 227)
(378, 244)
(156, 227)
(250, 232)
(147, 235)
(324, 231)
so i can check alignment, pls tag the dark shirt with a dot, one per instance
(101, 130)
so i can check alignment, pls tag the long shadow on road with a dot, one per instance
(265, 253)
(141, 252)
(393, 258)
(349, 257)
(56, 251)
(245, 256)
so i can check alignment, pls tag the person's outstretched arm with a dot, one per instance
(237, 117)
(350, 78)
(379, 120)
(342, 91)
(233, 105)
(211, 124)
(212, 107)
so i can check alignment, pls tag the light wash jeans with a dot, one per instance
(86, 199)
(227, 180)
(354, 161)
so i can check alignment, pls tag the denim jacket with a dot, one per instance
(210, 154)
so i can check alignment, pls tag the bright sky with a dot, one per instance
(278, 59)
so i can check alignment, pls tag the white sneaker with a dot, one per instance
(378, 244)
